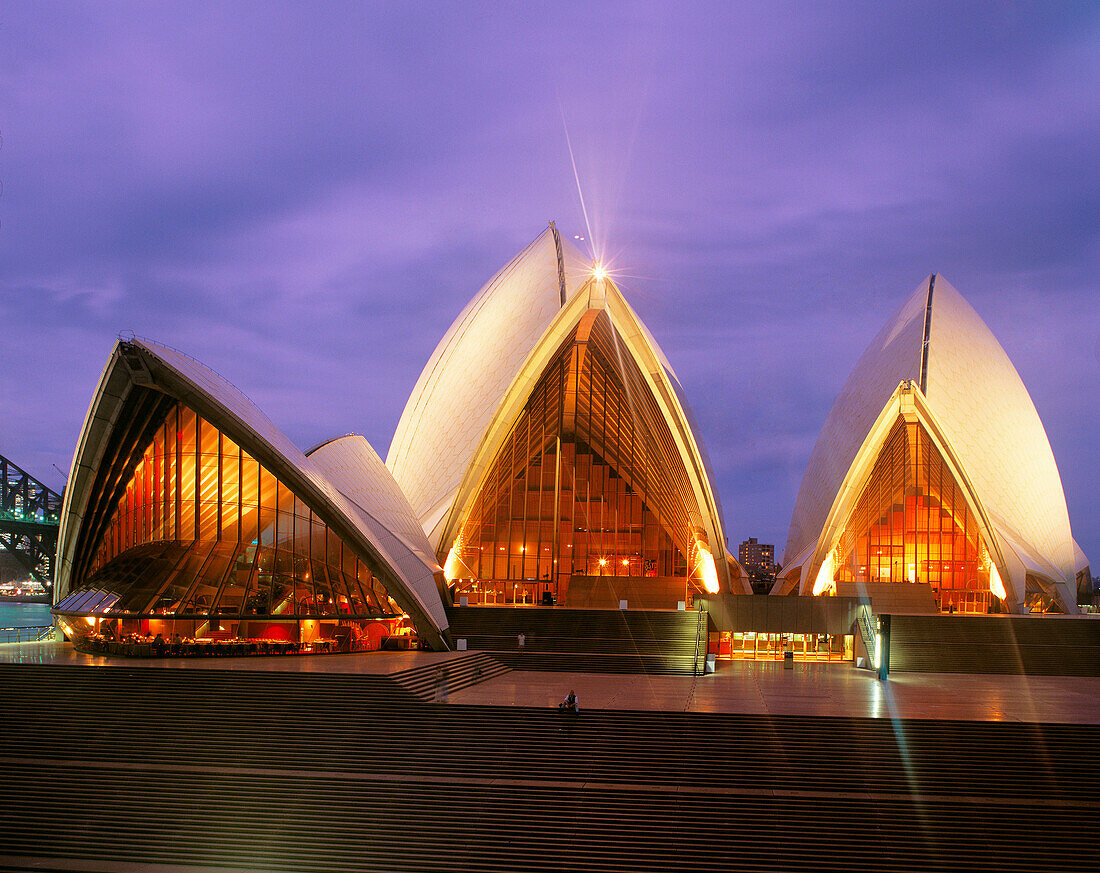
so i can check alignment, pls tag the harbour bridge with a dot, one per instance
(30, 514)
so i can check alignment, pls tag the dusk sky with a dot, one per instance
(304, 196)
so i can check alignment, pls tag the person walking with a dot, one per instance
(441, 685)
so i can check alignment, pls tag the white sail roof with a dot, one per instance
(351, 464)
(471, 368)
(995, 429)
(893, 356)
(986, 416)
(639, 344)
(141, 362)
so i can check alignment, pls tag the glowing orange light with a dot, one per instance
(995, 584)
(824, 581)
(452, 568)
(707, 571)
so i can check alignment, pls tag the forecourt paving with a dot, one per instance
(751, 687)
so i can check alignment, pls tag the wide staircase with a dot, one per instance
(178, 769)
(1027, 645)
(585, 640)
(454, 675)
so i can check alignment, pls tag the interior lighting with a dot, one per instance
(707, 571)
(995, 583)
(452, 566)
(824, 581)
(626, 561)
(603, 562)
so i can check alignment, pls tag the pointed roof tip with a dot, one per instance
(456, 392)
(980, 401)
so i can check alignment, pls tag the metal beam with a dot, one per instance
(29, 516)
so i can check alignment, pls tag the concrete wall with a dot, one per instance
(763, 613)
(640, 592)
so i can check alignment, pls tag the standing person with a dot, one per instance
(522, 639)
(441, 685)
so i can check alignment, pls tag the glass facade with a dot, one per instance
(753, 646)
(589, 482)
(912, 525)
(203, 531)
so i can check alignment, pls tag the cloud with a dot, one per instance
(303, 196)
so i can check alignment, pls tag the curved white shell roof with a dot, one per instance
(351, 464)
(410, 582)
(892, 356)
(986, 416)
(469, 372)
(637, 342)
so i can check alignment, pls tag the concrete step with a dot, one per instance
(460, 673)
(155, 768)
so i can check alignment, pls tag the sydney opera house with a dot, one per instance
(933, 471)
(547, 457)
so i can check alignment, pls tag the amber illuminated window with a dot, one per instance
(588, 482)
(203, 528)
(912, 524)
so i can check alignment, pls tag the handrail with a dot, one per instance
(865, 619)
(32, 519)
(34, 634)
(699, 625)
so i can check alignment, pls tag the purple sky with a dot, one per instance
(303, 196)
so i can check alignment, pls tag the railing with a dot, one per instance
(26, 634)
(700, 632)
(865, 619)
(29, 518)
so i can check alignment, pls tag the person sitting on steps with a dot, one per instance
(569, 704)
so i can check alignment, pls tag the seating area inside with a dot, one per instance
(135, 646)
(157, 637)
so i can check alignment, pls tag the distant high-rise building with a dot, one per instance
(756, 558)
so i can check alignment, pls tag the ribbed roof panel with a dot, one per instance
(470, 370)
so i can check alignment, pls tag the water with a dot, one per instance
(25, 615)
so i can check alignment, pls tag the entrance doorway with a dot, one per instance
(752, 646)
